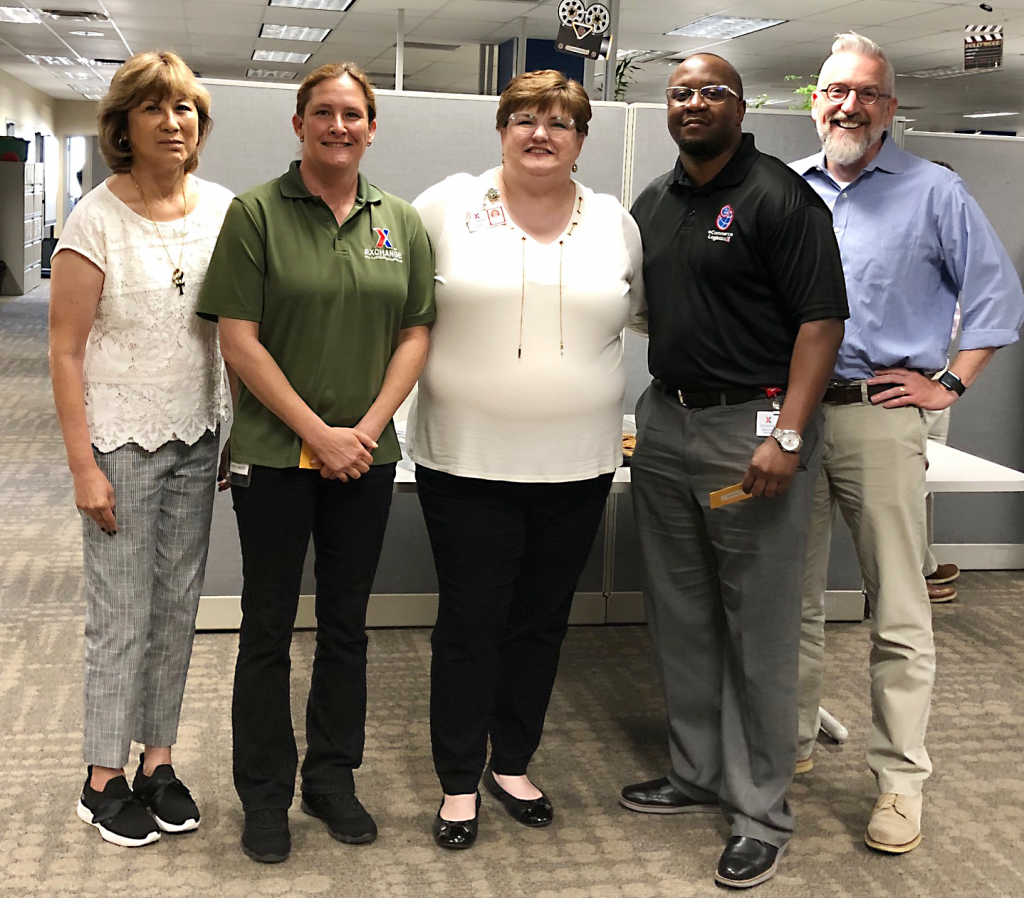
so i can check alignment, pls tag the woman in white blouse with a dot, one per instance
(516, 434)
(140, 391)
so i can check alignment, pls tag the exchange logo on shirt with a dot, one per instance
(384, 249)
(722, 223)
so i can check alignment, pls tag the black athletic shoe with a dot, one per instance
(119, 816)
(167, 797)
(347, 820)
(266, 837)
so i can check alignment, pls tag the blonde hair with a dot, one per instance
(544, 90)
(336, 70)
(851, 42)
(159, 74)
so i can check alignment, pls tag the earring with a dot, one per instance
(123, 145)
(302, 139)
(575, 167)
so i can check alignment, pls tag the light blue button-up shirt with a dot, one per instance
(912, 240)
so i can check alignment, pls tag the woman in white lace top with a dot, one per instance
(141, 393)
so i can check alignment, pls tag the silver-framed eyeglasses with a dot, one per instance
(866, 96)
(710, 93)
(527, 122)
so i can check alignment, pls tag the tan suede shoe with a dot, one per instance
(895, 825)
(804, 765)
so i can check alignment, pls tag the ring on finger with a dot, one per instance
(903, 389)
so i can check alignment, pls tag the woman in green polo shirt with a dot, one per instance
(323, 286)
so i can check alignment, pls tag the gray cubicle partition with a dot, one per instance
(988, 420)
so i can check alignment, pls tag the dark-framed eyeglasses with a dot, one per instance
(866, 96)
(710, 93)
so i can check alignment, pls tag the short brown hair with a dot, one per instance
(159, 74)
(545, 90)
(336, 70)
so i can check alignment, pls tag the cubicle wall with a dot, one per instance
(988, 420)
(422, 138)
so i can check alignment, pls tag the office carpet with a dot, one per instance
(605, 729)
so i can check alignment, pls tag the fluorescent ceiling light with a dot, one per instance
(989, 114)
(427, 45)
(276, 74)
(50, 60)
(945, 71)
(279, 56)
(293, 32)
(93, 96)
(724, 27)
(18, 15)
(336, 5)
(643, 55)
(78, 76)
(75, 15)
(88, 33)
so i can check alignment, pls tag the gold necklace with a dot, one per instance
(178, 277)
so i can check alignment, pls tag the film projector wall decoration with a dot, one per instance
(582, 28)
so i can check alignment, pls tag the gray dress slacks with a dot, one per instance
(722, 598)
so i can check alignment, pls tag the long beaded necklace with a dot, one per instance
(178, 277)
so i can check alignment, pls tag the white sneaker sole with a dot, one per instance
(185, 827)
(114, 838)
(892, 849)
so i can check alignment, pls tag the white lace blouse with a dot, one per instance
(153, 369)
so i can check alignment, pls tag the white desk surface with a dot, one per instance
(949, 471)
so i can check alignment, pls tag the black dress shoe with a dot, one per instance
(528, 811)
(747, 862)
(661, 797)
(456, 834)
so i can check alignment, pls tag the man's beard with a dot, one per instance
(702, 147)
(845, 147)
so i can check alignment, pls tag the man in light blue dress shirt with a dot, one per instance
(912, 239)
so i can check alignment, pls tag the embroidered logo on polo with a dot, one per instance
(385, 249)
(722, 223)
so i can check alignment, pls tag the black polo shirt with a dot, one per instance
(731, 271)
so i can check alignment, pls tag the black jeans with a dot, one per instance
(508, 558)
(277, 513)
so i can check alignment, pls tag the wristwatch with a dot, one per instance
(788, 440)
(952, 383)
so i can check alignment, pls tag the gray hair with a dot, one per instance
(851, 42)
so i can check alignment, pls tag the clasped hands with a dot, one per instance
(344, 453)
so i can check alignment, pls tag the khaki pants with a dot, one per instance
(873, 468)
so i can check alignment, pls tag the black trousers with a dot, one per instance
(277, 513)
(508, 558)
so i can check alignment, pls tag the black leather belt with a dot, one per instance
(719, 397)
(853, 393)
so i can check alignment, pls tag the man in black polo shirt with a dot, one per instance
(746, 305)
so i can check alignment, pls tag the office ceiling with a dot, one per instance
(218, 38)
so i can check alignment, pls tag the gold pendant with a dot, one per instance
(492, 195)
(178, 279)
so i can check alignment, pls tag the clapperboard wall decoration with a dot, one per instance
(983, 47)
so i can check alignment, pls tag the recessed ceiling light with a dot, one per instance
(293, 32)
(88, 33)
(18, 15)
(50, 60)
(336, 5)
(277, 75)
(279, 56)
(428, 45)
(724, 27)
(989, 114)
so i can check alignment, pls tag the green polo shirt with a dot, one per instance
(329, 300)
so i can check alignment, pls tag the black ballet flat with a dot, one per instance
(529, 812)
(456, 834)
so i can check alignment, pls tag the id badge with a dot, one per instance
(239, 473)
(766, 423)
(492, 217)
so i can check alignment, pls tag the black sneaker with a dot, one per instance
(266, 837)
(346, 819)
(119, 816)
(167, 797)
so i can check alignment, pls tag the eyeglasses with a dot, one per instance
(527, 122)
(866, 96)
(710, 93)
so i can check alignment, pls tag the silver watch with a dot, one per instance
(788, 440)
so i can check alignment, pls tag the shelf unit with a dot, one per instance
(21, 225)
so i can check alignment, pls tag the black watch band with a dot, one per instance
(952, 383)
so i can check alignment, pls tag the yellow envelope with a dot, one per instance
(727, 495)
(306, 458)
